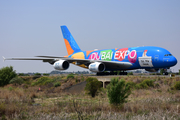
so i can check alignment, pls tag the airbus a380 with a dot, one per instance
(118, 59)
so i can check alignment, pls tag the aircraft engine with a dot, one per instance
(61, 65)
(97, 67)
(152, 70)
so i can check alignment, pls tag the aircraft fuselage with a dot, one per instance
(148, 57)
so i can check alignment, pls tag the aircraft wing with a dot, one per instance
(52, 59)
(108, 64)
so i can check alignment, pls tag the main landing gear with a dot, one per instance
(164, 71)
(111, 73)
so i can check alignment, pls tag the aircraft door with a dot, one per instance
(156, 58)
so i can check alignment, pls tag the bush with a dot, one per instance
(92, 86)
(157, 85)
(57, 84)
(17, 80)
(6, 74)
(177, 85)
(10, 88)
(118, 91)
(149, 83)
(130, 73)
(141, 86)
(145, 84)
(70, 76)
(21, 74)
(131, 84)
(57, 78)
(42, 81)
(45, 74)
(37, 74)
(77, 79)
(82, 78)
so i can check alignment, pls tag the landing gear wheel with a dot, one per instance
(166, 73)
(125, 73)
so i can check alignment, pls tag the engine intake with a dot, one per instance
(61, 65)
(97, 67)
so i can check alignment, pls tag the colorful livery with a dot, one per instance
(149, 58)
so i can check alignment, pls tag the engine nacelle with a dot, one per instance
(152, 70)
(61, 65)
(97, 67)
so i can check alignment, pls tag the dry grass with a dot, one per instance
(18, 102)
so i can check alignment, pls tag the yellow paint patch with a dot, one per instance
(68, 47)
(82, 65)
(79, 55)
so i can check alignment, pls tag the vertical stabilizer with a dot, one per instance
(70, 43)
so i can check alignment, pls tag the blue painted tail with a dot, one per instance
(70, 43)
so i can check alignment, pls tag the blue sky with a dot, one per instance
(31, 28)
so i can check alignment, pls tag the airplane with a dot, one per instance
(149, 58)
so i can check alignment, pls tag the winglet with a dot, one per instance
(4, 58)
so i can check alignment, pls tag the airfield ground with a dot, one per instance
(69, 101)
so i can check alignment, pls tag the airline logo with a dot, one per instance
(119, 55)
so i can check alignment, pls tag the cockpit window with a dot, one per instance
(168, 55)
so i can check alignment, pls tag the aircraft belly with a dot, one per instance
(116, 66)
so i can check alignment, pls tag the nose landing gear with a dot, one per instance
(164, 71)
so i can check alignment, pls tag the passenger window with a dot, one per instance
(168, 55)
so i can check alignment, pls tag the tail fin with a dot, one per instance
(70, 43)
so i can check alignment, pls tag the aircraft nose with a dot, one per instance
(173, 61)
